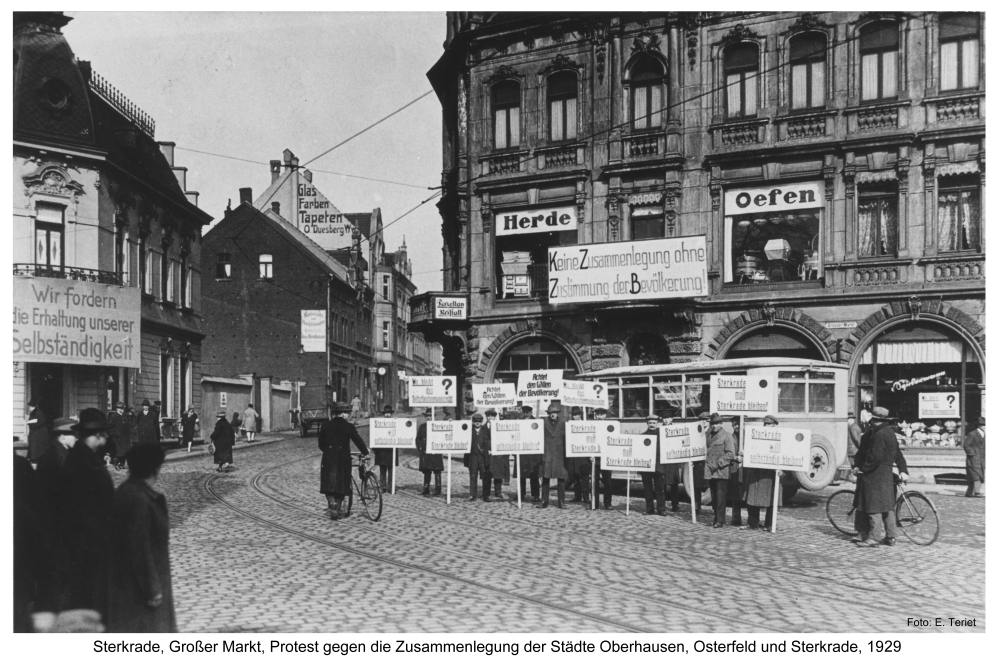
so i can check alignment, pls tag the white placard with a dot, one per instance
(539, 384)
(740, 394)
(392, 433)
(494, 395)
(622, 271)
(939, 405)
(433, 391)
(518, 437)
(683, 442)
(777, 447)
(313, 330)
(451, 308)
(584, 394)
(446, 437)
(582, 439)
(543, 219)
(631, 452)
(801, 195)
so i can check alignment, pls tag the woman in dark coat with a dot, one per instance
(141, 596)
(432, 463)
(147, 425)
(223, 439)
(188, 422)
(554, 458)
(335, 437)
(38, 431)
(975, 459)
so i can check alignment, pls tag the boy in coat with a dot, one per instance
(974, 445)
(719, 457)
(335, 437)
(554, 458)
(478, 459)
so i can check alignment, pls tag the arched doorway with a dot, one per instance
(534, 353)
(775, 340)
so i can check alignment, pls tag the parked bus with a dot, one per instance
(807, 394)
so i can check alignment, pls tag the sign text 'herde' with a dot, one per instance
(546, 219)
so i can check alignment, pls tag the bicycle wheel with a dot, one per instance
(371, 497)
(840, 511)
(917, 518)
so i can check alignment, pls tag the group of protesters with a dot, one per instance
(89, 557)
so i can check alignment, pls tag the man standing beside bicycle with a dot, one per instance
(876, 492)
(335, 437)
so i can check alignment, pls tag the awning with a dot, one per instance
(939, 351)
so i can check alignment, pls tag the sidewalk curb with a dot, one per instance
(240, 445)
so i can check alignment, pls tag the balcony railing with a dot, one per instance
(69, 273)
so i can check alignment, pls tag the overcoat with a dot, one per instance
(223, 437)
(335, 437)
(250, 418)
(975, 455)
(120, 433)
(719, 455)
(140, 555)
(38, 434)
(51, 479)
(147, 428)
(876, 492)
(188, 421)
(482, 445)
(128, 434)
(383, 457)
(854, 434)
(554, 459)
(432, 462)
(758, 487)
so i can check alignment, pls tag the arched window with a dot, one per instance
(533, 354)
(959, 37)
(562, 106)
(808, 73)
(741, 63)
(879, 52)
(506, 99)
(646, 79)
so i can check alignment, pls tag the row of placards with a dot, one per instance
(544, 385)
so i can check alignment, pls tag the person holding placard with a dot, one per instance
(671, 473)
(653, 481)
(719, 457)
(736, 477)
(499, 464)
(478, 459)
(603, 482)
(758, 490)
(383, 458)
(578, 468)
(530, 464)
(698, 469)
(854, 433)
(554, 459)
(429, 464)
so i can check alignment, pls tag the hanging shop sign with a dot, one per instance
(313, 330)
(451, 308)
(393, 433)
(582, 438)
(539, 384)
(683, 442)
(58, 320)
(938, 405)
(494, 395)
(517, 437)
(447, 437)
(739, 394)
(623, 271)
(632, 452)
(584, 394)
(801, 195)
(543, 219)
(432, 391)
(777, 447)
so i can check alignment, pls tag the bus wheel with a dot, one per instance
(823, 465)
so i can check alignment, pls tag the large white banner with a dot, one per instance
(777, 447)
(683, 442)
(582, 438)
(741, 394)
(518, 437)
(444, 437)
(631, 452)
(432, 391)
(539, 384)
(313, 330)
(494, 395)
(623, 271)
(584, 394)
(392, 433)
(543, 219)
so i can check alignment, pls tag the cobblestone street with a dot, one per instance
(252, 551)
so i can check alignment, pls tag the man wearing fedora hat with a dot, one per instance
(383, 458)
(876, 491)
(554, 457)
(335, 437)
(147, 427)
(974, 445)
(719, 457)
(432, 463)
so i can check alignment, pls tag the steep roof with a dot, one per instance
(362, 222)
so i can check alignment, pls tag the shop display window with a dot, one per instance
(774, 246)
(522, 263)
(806, 392)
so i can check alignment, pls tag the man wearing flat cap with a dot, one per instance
(478, 458)
(719, 458)
(758, 490)
(554, 458)
(383, 458)
(876, 492)
(974, 445)
(530, 464)
(603, 483)
(653, 480)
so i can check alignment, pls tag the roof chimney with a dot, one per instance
(275, 170)
(276, 207)
(246, 195)
(308, 175)
(168, 151)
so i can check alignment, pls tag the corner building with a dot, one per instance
(833, 162)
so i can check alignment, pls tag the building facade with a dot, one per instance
(834, 164)
(105, 227)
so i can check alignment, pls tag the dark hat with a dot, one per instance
(63, 425)
(491, 412)
(527, 409)
(340, 407)
(221, 414)
(770, 419)
(92, 420)
(122, 404)
(145, 403)
(715, 418)
(600, 410)
(704, 416)
(477, 416)
(387, 409)
(850, 414)
(880, 412)
(576, 411)
(428, 411)
(554, 407)
(981, 420)
(33, 402)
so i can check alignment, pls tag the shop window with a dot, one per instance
(879, 55)
(808, 70)
(522, 269)
(49, 223)
(646, 90)
(959, 214)
(773, 246)
(877, 221)
(562, 106)
(266, 266)
(223, 265)
(741, 63)
(806, 392)
(959, 44)
(506, 103)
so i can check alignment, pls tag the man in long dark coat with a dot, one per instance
(876, 492)
(38, 431)
(478, 458)
(335, 437)
(499, 464)
(719, 457)
(758, 491)
(429, 463)
(118, 438)
(188, 423)
(653, 481)
(975, 459)
(530, 463)
(147, 425)
(554, 458)
(223, 437)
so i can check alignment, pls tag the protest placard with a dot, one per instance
(539, 384)
(582, 438)
(584, 394)
(740, 394)
(683, 442)
(494, 395)
(392, 433)
(517, 437)
(631, 452)
(938, 405)
(447, 437)
(436, 391)
(777, 447)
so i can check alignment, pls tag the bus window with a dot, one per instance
(635, 397)
(792, 397)
(697, 396)
(613, 399)
(667, 397)
(796, 389)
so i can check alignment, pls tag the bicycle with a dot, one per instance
(916, 515)
(368, 488)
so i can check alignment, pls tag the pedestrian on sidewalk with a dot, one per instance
(147, 425)
(974, 445)
(876, 492)
(355, 408)
(719, 457)
(121, 422)
(250, 418)
(554, 458)
(603, 482)
(235, 424)
(429, 463)
(141, 592)
(189, 421)
(653, 481)
(335, 437)
(223, 438)
(383, 458)
(758, 490)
